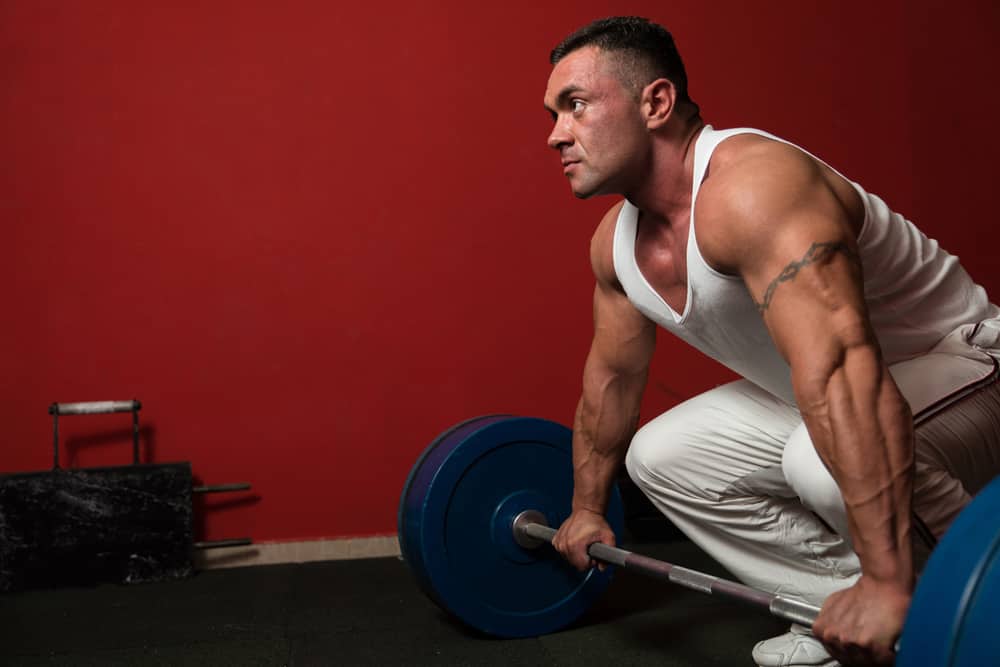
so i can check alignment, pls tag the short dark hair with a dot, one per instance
(647, 49)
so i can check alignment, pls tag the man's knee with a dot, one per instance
(649, 457)
(642, 458)
(664, 455)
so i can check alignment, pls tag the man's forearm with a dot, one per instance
(863, 430)
(605, 423)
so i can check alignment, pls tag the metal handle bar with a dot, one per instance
(93, 407)
(782, 607)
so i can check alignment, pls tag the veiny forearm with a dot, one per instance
(606, 420)
(863, 430)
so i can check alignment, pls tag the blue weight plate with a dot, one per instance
(979, 643)
(455, 519)
(408, 518)
(953, 616)
(463, 428)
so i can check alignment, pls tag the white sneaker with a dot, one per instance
(793, 649)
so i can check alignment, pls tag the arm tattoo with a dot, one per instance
(817, 252)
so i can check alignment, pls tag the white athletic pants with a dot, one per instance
(736, 471)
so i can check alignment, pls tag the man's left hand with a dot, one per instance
(860, 625)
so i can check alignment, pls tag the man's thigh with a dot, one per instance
(723, 440)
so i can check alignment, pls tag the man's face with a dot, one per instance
(599, 132)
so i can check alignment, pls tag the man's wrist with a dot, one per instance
(590, 507)
(897, 582)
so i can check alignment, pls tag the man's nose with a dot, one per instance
(559, 136)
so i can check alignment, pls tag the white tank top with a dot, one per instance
(917, 294)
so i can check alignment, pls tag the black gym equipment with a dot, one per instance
(82, 526)
(477, 511)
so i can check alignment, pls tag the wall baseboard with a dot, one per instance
(272, 553)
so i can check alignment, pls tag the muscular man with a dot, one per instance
(868, 414)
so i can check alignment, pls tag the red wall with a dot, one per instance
(309, 236)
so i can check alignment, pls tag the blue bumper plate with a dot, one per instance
(455, 532)
(954, 619)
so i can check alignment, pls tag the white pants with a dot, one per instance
(736, 471)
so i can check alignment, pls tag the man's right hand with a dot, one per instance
(582, 528)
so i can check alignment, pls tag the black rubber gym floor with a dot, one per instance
(366, 612)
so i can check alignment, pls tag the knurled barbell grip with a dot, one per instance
(791, 610)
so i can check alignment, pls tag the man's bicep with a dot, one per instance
(808, 287)
(624, 338)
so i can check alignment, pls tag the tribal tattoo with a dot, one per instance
(817, 252)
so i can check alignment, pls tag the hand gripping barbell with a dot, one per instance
(483, 494)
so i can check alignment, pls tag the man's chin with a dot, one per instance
(581, 192)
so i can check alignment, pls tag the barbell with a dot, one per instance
(480, 502)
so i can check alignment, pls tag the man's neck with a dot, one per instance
(665, 192)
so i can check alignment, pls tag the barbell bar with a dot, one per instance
(480, 478)
(530, 531)
(530, 524)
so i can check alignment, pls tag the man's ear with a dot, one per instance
(658, 102)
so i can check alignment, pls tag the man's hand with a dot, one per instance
(579, 531)
(860, 625)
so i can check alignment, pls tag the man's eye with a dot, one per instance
(577, 106)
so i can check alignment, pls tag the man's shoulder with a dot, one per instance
(602, 245)
(753, 183)
(745, 158)
(749, 174)
(609, 220)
